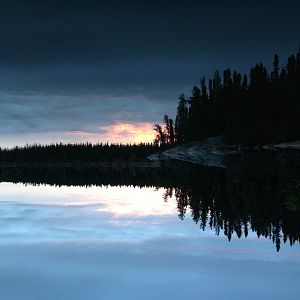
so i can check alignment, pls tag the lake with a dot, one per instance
(157, 238)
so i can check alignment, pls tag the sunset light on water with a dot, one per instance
(57, 236)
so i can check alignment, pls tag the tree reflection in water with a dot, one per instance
(258, 192)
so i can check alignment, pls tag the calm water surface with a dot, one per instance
(129, 243)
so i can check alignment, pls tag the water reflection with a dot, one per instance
(133, 233)
(238, 214)
(260, 193)
(38, 213)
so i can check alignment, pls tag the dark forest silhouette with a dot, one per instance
(260, 194)
(258, 108)
(72, 153)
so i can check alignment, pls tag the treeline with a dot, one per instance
(258, 108)
(65, 153)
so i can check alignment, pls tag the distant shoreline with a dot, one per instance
(211, 152)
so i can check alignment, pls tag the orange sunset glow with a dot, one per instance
(117, 133)
(131, 132)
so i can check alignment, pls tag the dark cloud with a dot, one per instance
(90, 32)
(114, 35)
(43, 113)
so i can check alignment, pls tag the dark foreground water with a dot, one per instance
(180, 233)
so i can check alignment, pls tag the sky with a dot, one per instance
(98, 71)
(128, 243)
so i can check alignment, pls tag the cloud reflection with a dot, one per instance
(127, 243)
(47, 212)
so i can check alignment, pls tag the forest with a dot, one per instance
(259, 108)
(77, 153)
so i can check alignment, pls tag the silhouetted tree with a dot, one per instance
(160, 138)
(275, 73)
(181, 122)
(260, 110)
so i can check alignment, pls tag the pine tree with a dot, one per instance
(181, 122)
(275, 73)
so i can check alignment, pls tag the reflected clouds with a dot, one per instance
(46, 212)
(127, 243)
(125, 271)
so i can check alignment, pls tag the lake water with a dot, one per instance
(125, 242)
